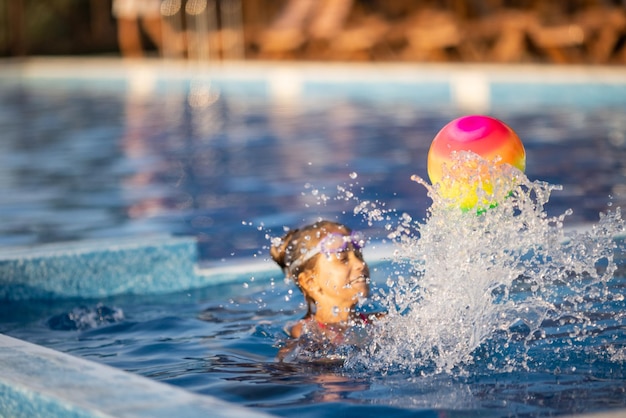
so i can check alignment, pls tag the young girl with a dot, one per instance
(325, 261)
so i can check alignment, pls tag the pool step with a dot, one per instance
(100, 268)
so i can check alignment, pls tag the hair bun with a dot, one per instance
(278, 250)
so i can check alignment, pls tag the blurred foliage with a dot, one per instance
(35, 27)
(512, 31)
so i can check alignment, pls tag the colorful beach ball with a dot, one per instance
(472, 182)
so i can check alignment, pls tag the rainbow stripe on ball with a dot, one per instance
(468, 182)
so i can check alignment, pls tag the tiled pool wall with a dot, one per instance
(477, 88)
(36, 381)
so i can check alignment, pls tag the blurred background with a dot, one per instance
(514, 31)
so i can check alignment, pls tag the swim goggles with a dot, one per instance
(331, 244)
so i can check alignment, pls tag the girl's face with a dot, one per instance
(342, 277)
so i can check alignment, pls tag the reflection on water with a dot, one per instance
(235, 168)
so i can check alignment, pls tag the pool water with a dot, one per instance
(90, 163)
(80, 164)
(223, 341)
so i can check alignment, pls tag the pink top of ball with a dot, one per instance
(483, 135)
(472, 128)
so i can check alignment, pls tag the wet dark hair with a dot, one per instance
(298, 242)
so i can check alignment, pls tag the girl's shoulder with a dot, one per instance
(297, 329)
(300, 327)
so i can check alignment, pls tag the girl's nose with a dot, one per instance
(359, 265)
(365, 269)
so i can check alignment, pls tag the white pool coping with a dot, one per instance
(106, 67)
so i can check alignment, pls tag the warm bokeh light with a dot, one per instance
(590, 32)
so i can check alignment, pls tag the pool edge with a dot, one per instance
(83, 388)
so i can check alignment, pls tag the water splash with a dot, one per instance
(475, 283)
(83, 318)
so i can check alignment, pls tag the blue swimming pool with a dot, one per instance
(232, 159)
